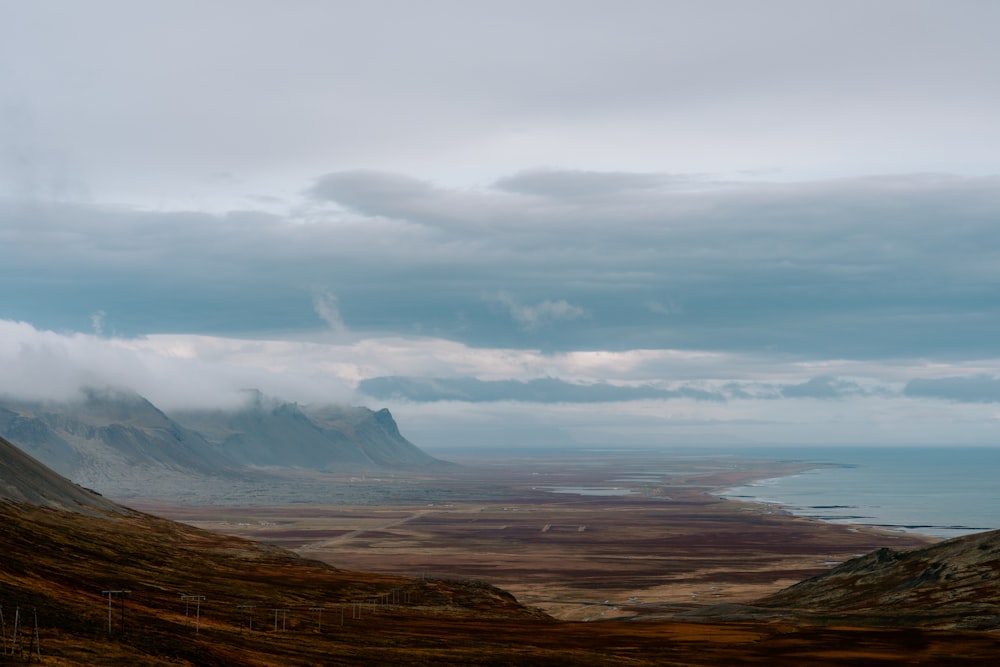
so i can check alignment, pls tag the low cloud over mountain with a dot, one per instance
(120, 443)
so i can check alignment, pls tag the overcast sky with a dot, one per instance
(513, 223)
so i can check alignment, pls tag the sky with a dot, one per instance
(514, 224)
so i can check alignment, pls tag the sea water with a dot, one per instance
(939, 491)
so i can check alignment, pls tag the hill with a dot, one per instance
(66, 547)
(952, 584)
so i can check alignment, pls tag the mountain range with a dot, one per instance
(116, 441)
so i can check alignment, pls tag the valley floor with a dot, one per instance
(590, 538)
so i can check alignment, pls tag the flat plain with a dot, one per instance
(582, 537)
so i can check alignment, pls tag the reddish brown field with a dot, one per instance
(669, 545)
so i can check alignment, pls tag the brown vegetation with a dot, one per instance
(579, 557)
(58, 563)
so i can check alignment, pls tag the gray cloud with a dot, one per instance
(530, 317)
(655, 87)
(964, 389)
(851, 268)
(653, 177)
(390, 195)
(554, 390)
(375, 193)
(568, 184)
(541, 390)
(818, 387)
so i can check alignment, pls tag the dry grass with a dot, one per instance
(58, 563)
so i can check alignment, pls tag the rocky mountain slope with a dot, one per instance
(273, 433)
(121, 444)
(106, 429)
(24, 480)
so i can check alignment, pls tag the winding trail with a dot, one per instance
(361, 531)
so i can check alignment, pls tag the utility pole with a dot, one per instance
(197, 609)
(17, 630)
(38, 640)
(319, 617)
(121, 595)
(248, 608)
(284, 613)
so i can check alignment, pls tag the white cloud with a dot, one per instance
(326, 306)
(179, 373)
(97, 320)
(184, 371)
(534, 316)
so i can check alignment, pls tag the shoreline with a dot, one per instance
(729, 493)
(787, 469)
(865, 490)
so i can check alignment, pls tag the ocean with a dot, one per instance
(938, 491)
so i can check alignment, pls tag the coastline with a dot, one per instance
(939, 493)
(764, 476)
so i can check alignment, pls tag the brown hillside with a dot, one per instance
(260, 605)
(955, 583)
(57, 564)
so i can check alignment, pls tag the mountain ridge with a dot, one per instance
(120, 443)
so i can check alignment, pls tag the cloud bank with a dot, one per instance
(456, 395)
(657, 222)
(859, 268)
